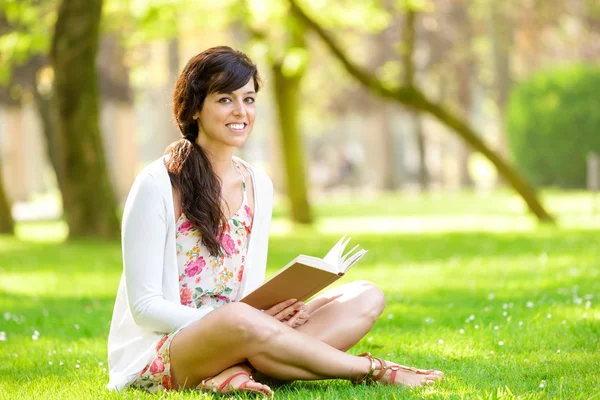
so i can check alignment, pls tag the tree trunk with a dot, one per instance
(464, 72)
(465, 100)
(422, 145)
(46, 110)
(414, 99)
(391, 179)
(500, 34)
(286, 96)
(88, 199)
(407, 52)
(7, 225)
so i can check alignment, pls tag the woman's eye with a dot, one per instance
(224, 100)
(250, 100)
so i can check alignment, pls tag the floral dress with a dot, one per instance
(204, 280)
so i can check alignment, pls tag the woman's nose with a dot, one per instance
(239, 110)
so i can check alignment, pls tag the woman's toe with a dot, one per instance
(264, 389)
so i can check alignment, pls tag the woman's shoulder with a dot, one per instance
(153, 176)
(259, 176)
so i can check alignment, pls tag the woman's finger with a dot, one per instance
(292, 321)
(288, 311)
(279, 307)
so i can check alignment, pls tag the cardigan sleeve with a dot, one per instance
(144, 233)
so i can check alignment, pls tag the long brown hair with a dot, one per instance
(216, 70)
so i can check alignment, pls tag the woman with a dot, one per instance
(195, 236)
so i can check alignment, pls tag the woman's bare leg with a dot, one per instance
(236, 332)
(344, 315)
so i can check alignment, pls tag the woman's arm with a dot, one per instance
(143, 241)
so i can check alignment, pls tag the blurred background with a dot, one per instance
(421, 99)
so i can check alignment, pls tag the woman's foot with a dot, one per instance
(236, 378)
(408, 376)
(394, 374)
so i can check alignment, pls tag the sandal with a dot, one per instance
(370, 377)
(227, 387)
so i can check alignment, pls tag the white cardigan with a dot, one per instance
(148, 303)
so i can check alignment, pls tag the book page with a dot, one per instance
(334, 256)
(349, 262)
(340, 261)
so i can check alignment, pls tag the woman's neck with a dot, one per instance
(220, 158)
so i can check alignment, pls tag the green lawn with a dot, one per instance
(474, 288)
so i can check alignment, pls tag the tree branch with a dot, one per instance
(408, 47)
(415, 99)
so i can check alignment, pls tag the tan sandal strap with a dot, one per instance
(412, 369)
(371, 371)
(382, 371)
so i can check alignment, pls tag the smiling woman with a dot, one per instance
(214, 108)
(195, 238)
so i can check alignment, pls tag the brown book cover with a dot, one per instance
(304, 277)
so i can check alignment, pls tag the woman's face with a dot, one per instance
(227, 119)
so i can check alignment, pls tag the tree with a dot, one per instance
(287, 57)
(88, 199)
(7, 224)
(413, 98)
(287, 88)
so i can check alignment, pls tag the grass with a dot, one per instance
(473, 287)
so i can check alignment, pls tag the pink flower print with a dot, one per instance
(162, 341)
(224, 298)
(197, 280)
(248, 211)
(195, 267)
(248, 229)
(186, 296)
(185, 226)
(240, 273)
(157, 366)
(226, 228)
(228, 244)
(166, 382)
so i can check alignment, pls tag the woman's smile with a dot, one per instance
(237, 127)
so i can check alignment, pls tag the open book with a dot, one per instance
(305, 276)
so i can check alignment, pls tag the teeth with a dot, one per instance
(236, 126)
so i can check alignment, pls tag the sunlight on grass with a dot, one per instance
(474, 288)
(48, 231)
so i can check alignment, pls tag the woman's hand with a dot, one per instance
(291, 312)
(302, 317)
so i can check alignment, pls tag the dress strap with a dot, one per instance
(239, 169)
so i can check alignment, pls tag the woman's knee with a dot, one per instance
(248, 322)
(371, 298)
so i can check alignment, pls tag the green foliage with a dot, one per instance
(27, 33)
(553, 124)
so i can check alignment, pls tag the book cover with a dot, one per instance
(305, 276)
